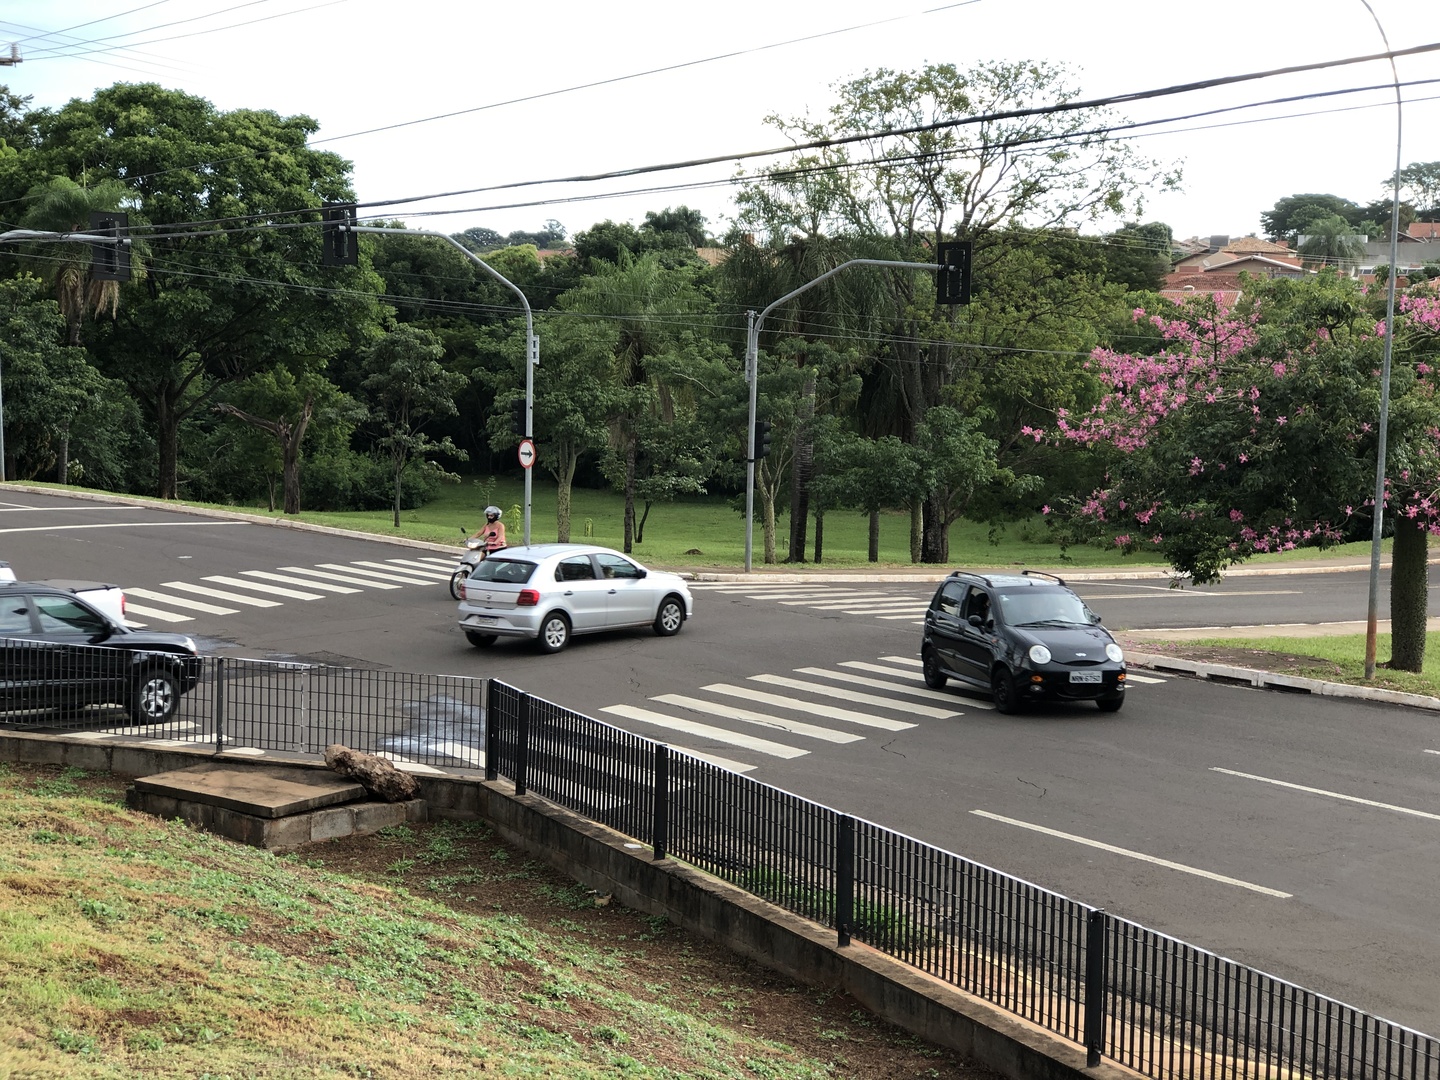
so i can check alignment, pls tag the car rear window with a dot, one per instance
(506, 571)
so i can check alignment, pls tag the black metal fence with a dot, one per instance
(239, 703)
(1146, 1001)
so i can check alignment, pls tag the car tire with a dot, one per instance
(554, 633)
(480, 641)
(1002, 691)
(935, 679)
(155, 698)
(455, 579)
(670, 617)
(1110, 704)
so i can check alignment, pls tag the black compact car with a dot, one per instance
(1024, 637)
(59, 653)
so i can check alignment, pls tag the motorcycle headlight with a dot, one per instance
(1115, 653)
(1039, 654)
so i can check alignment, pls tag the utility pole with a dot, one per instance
(14, 57)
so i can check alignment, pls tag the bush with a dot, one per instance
(346, 480)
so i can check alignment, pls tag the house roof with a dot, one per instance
(1425, 230)
(1183, 285)
(1253, 244)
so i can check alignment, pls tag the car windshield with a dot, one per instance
(506, 571)
(1029, 607)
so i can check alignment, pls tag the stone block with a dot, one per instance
(332, 823)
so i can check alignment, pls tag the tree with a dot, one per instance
(480, 239)
(1138, 256)
(1331, 241)
(1294, 214)
(680, 222)
(1420, 182)
(1254, 430)
(910, 182)
(408, 387)
(214, 309)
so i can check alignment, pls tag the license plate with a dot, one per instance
(1085, 676)
(485, 619)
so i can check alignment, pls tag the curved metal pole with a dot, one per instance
(532, 347)
(1372, 610)
(752, 373)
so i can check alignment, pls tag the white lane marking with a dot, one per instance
(155, 613)
(1330, 794)
(12, 508)
(182, 601)
(751, 586)
(705, 731)
(308, 572)
(1130, 677)
(433, 573)
(261, 587)
(1432, 751)
(811, 594)
(879, 684)
(861, 665)
(185, 586)
(431, 565)
(909, 615)
(715, 759)
(908, 661)
(365, 576)
(827, 711)
(729, 712)
(1221, 878)
(121, 525)
(909, 607)
(854, 696)
(265, 575)
(1188, 593)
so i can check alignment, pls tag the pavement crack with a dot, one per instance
(1037, 787)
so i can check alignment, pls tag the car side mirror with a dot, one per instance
(976, 621)
(641, 573)
(1094, 618)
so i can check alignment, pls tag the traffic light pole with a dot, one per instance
(532, 346)
(752, 375)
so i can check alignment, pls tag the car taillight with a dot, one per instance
(527, 598)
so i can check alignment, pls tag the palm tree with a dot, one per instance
(1332, 241)
(63, 206)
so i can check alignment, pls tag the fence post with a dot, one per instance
(661, 816)
(219, 703)
(302, 729)
(844, 878)
(1094, 986)
(490, 739)
(522, 741)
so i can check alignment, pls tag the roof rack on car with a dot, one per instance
(1041, 573)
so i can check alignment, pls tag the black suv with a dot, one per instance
(58, 652)
(1024, 638)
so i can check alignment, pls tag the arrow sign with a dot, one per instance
(527, 453)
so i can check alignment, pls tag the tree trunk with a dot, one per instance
(270, 492)
(630, 493)
(917, 520)
(874, 552)
(802, 471)
(62, 462)
(167, 434)
(640, 525)
(399, 472)
(819, 536)
(1409, 595)
(935, 545)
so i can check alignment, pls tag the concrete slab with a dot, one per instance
(256, 790)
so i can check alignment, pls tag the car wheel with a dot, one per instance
(480, 641)
(554, 633)
(156, 697)
(455, 579)
(670, 617)
(1110, 704)
(930, 663)
(1002, 690)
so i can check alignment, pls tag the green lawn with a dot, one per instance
(709, 532)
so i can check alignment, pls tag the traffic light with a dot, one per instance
(340, 244)
(517, 417)
(952, 279)
(110, 262)
(762, 438)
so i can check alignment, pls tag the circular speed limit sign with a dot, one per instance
(526, 453)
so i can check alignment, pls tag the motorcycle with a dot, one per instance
(473, 557)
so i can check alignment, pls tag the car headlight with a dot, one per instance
(1039, 654)
(1115, 653)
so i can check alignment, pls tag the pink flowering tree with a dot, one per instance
(1252, 429)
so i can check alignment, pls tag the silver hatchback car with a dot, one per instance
(550, 592)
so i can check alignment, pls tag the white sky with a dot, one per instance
(355, 65)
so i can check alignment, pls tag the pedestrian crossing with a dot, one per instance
(883, 604)
(175, 603)
(884, 696)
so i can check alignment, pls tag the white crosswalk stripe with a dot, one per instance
(853, 696)
(179, 601)
(705, 731)
(830, 712)
(922, 692)
(730, 712)
(347, 578)
(289, 579)
(251, 601)
(443, 566)
(433, 573)
(154, 613)
(363, 574)
(261, 587)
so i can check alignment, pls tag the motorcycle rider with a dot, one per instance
(493, 532)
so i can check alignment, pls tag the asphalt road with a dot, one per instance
(1295, 834)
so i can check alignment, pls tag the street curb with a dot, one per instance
(1267, 680)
